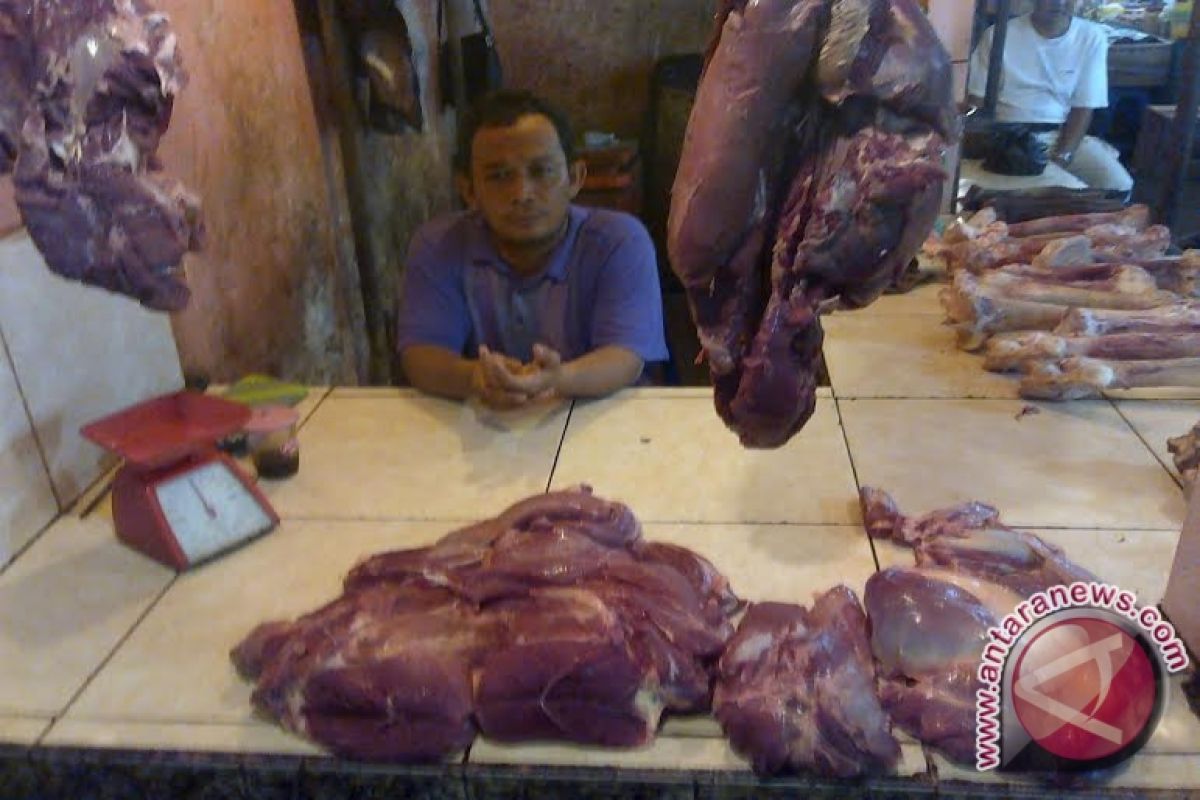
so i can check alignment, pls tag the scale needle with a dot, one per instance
(212, 512)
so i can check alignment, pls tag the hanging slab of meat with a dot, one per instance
(1012, 351)
(553, 620)
(796, 690)
(1079, 378)
(88, 88)
(971, 572)
(811, 170)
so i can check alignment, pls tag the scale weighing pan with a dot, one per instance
(165, 429)
(177, 499)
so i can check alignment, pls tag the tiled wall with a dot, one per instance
(953, 20)
(68, 354)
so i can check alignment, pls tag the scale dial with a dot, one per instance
(208, 509)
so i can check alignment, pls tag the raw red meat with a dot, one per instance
(554, 620)
(797, 690)
(811, 171)
(86, 91)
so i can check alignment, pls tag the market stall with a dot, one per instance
(135, 686)
(794, 581)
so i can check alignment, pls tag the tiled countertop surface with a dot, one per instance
(104, 649)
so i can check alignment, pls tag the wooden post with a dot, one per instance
(337, 58)
(996, 58)
(1183, 129)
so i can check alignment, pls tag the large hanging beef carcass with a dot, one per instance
(810, 172)
(86, 92)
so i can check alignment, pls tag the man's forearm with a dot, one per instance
(600, 372)
(1071, 134)
(437, 370)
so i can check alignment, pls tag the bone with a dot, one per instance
(1124, 288)
(1136, 217)
(995, 247)
(1008, 352)
(1176, 274)
(1181, 316)
(1079, 378)
(981, 222)
(1068, 252)
(978, 312)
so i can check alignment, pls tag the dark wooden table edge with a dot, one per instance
(46, 773)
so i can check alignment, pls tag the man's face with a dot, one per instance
(521, 181)
(1054, 10)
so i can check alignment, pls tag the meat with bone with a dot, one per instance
(1182, 316)
(971, 572)
(995, 247)
(100, 77)
(796, 690)
(1176, 274)
(554, 620)
(1136, 218)
(1078, 377)
(1021, 298)
(1124, 287)
(1185, 450)
(811, 170)
(978, 312)
(1012, 351)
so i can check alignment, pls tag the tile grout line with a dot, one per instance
(316, 407)
(561, 441)
(23, 549)
(1129, 423)
(837, 406)
(112, 653)
(37, 440)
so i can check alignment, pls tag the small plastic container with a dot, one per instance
(271, 440)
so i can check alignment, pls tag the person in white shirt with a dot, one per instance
(1055, 71)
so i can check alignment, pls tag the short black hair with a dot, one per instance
(502, 108)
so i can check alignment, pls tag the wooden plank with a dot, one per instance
(1183, 127)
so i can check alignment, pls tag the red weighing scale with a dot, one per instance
(178, 499)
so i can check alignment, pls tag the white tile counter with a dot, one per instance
(126, 655)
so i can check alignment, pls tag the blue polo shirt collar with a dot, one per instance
(482, 252)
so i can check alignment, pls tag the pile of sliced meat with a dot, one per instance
(810, 173)
(819, 689)
(86, 92)
(556, 620)
(553, 620)
(971, 571)
(1077, 304)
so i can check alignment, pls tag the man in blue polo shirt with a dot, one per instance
(526, 294)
